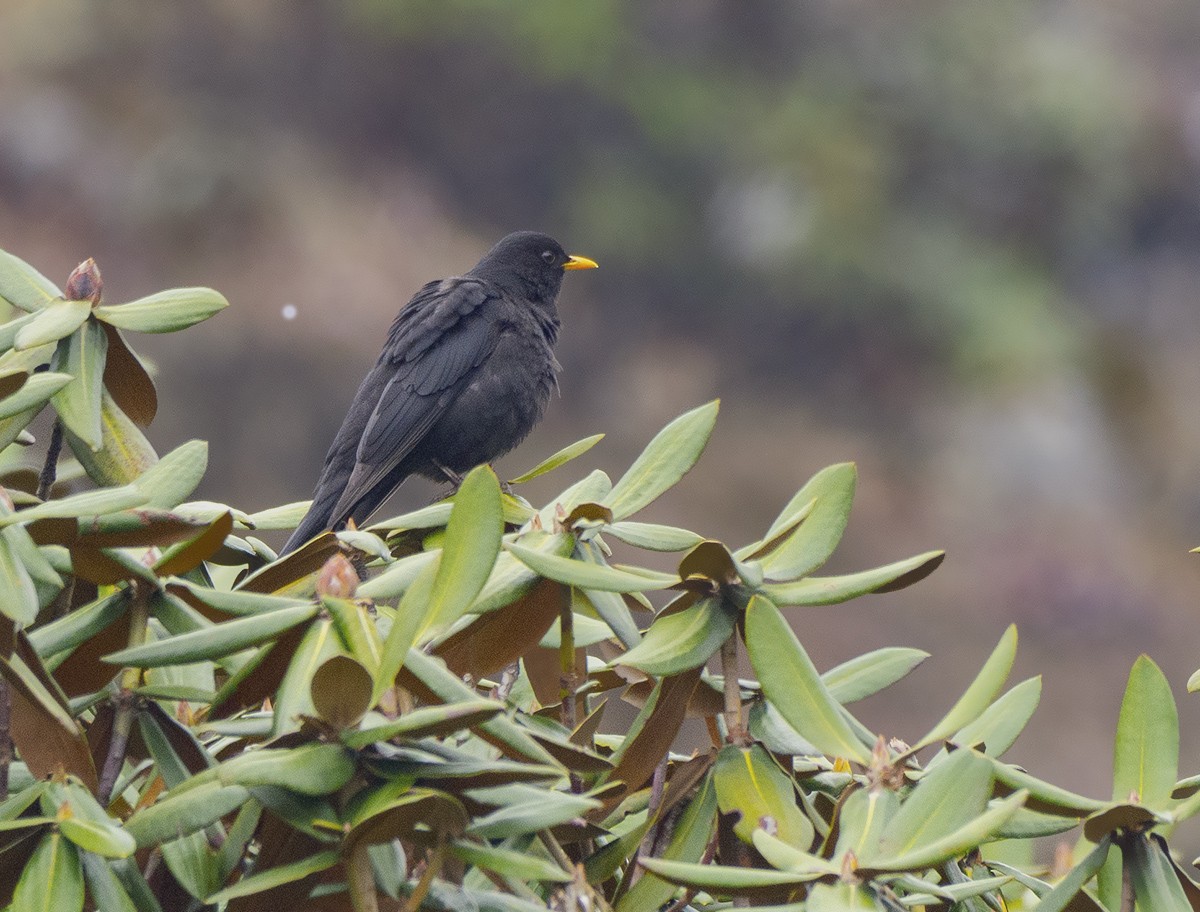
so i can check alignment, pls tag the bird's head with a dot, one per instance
(530, 263)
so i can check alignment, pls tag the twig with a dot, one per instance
(1127, 896)
(735, 731)
(6, 749)
(126, 698)
(50, 467)
(361, 880)
(556, 851)
(431, 871)
(646, 847)
(566, 661)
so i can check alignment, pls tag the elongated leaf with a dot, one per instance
(517, 865)
(790, 681)
(193, 863)
(871, 672)
(431, 675)
(171, 480)
(1000, 724)
(1042, 795)
(750, 784)
(687, 846)
(88, 503)
(52, 880)
(214, 642)
(127, 380)
(683, 640)
(277, 876)
(83, 356)
(104, 887)
(842, 897)
(587, 575)
(718, 878)
(1154, 882)
(947, 798)
(396, 579)
(429, 721)
(981, 693)
(124, 453)
(293, 696)
(831, 492)
(57, 320)
(23, 286)
(185, 811)
(830, 590)
(469, 550)
(109, 841)
(166, 311)
(969, 836)
(1059, 898)
(312, 769)
(33, 393)
(1146, 756)
(865, 818)
(549, 810)
(653, 537)
(786, 857)
(666, 459)
(18, 596)
(562, 457)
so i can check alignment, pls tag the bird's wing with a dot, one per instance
(432, 350)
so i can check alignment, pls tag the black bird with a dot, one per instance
(465, 374)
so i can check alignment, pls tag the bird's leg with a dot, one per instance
(453, 476)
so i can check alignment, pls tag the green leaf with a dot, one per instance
(214, 642)
(469, 550)
(750, 784)
(790, 681)
(587, 575)
(447, 687)
(562, 457)
(871, 672)
(52, 880)
(311, 769)
(865, 817)
(830, 590)
(683, 640)
(716, 878)
(83, 356)
(1059, 898)
(428, 721)
(166, 311)
(1154, 882)
(18, 597)
(88, 503)
(1000, 724)
(546, 809)
(686, 847)
(57, 320)
(842, 897)
(104, 887)
(185, 810)
(667, 458)
(947, 797)
(652, 537)
(23, 286)
(397, 578)
(111, 841)
(33, 393)
(1043, 795)
(969, 836)
(171, 480)
(832, 492)
(981, 693)
(193, 863)
(786, 857)
(517, 865)
(1146, 755)
(261, 881)
(124, 454)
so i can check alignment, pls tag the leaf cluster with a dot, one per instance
(412, 715)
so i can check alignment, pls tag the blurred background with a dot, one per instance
(955, 243)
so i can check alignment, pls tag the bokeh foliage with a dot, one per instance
(412, 714)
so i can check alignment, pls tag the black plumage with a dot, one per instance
(465, 374)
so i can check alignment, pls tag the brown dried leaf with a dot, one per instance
(127, 380)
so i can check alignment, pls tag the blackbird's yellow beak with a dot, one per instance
(579, 262)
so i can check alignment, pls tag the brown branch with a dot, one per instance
(49, 471)
(6, 745)
(735, 731)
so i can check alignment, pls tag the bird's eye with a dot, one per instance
(548, 256)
